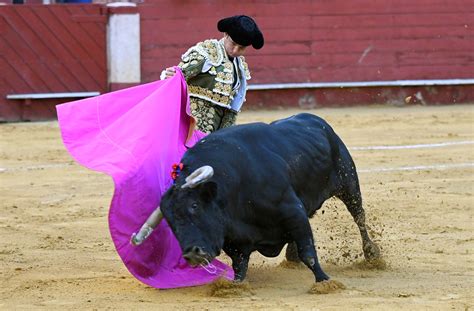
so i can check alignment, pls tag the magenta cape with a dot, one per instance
(135, 136)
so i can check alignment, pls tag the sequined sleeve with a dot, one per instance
(191, 65)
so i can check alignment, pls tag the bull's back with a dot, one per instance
(305, 130)
(302, 147)
(312, 154)
(282, 137)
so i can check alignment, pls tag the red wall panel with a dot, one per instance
(49, 48)
(61, 48)
(323, 41)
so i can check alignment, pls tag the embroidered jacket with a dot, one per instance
(212, 77)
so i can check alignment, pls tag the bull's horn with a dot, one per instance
(147, 228)
(199, 176)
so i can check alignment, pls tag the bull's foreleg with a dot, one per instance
(300, 231)
(353, 202)
(309, 257)
(240, 262)
(240, 266)
(292, 250)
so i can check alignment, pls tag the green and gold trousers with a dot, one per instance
(211, 117)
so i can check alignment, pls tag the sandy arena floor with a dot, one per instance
(56, 253)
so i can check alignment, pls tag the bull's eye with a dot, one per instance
(193, 207)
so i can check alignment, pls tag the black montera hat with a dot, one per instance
(243, 30)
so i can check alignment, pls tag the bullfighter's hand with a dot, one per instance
(167, 73)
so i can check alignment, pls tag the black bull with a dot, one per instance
(268, 180)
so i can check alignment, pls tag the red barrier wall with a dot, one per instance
(323, 41)
(306, 41)
(49, 49)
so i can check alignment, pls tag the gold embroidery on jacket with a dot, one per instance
(225, 77)
(211, 50)
(219, 86)
(246, 68)
(228, 67)
(206, 94)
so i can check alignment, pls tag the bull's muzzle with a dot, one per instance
(195, 255)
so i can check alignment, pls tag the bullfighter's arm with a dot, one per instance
(192, 66)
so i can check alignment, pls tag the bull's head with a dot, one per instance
(193, 213)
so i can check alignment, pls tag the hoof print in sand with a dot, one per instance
(286, 264)
(326, 287)
(224, 288)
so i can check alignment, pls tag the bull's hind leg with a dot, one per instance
(353, 200)
(291, 253)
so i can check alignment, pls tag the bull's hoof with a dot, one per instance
(371, 251)
(321, 277)
(224, 288)
(326, 287)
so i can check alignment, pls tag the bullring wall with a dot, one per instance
(317, 53)
(329, 41)
(323, 41)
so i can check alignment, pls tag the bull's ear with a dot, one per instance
(208, 191)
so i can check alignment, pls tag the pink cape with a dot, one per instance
(135, 136)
